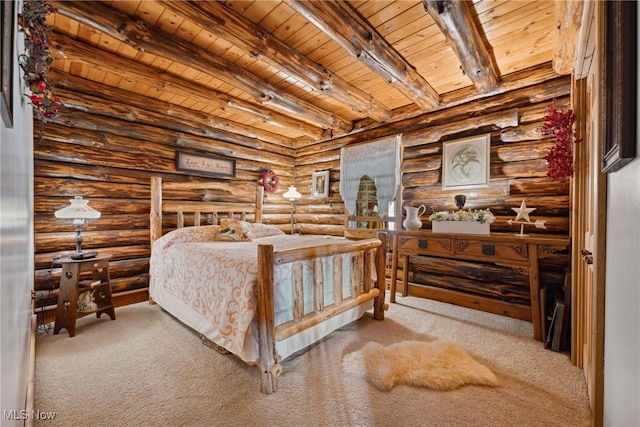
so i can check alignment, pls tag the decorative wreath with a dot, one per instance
(36, 60)
(270, 181)
(559, 125)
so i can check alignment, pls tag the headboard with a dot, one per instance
(198, 208)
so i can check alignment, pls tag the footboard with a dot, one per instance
(367, 263)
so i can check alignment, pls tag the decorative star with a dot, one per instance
(523, 212)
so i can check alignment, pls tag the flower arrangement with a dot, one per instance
(479, 215)
(559, 124)
(36, 61)
(270, 181)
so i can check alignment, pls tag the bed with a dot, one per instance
(248, 287)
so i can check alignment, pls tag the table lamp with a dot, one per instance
(79, 213)
(292, 195)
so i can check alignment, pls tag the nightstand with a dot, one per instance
(80, 276)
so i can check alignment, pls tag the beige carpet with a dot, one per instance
(146, 369)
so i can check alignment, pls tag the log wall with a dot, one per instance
(106, 146)
(107, 143)
(517, 171)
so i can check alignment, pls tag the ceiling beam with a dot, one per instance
(456, 23)
(568, 18)
(69, 49)
(343, 25)
(224, 22)
(144, 38)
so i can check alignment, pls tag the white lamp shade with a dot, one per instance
(77, 210)
(292, 193)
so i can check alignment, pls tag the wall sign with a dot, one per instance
(465, 163)
(206, 165)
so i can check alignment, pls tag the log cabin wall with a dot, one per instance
(105, 146)
(112, 137)
(517, 170)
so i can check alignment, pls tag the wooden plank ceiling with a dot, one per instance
(302, 72)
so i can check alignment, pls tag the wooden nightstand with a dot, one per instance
(78, 276)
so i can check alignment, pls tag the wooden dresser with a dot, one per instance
(497, 273)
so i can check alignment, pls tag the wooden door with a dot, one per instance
(588, 226)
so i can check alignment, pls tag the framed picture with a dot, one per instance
(465, 163)
(619, 76)
(320, 184)
(206, 165)
(7, 61)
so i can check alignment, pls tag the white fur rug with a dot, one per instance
(438, 365)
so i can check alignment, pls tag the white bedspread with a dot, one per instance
(218, 280)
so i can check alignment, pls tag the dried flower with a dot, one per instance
(559, 124)
(482, 216)
(36, 61)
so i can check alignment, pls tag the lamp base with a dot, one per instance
(293, 210)
(78, 239)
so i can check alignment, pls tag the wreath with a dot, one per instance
(558, 124)
(270, 181)
(36, 60)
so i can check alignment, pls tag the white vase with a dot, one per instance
(413, 221)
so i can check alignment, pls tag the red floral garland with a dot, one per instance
(270, 181)
(36, 60)
(558, 124)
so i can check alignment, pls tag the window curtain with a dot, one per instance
(380, 161)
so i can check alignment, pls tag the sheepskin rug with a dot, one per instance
(438, 365)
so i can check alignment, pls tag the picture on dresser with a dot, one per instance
(465, 162)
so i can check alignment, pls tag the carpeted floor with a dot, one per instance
(146, 369)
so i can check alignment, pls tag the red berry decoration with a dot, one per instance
(559, 125)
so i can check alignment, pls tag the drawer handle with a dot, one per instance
(488, 249)
(423, 243)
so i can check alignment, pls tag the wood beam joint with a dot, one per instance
(344, 26)
(456, 23)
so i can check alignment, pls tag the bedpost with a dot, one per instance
(268, 364)
(259, 202)
(381, 276)
(156, 209)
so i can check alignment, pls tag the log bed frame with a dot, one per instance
(364, 254)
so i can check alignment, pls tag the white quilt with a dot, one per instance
(218, 280)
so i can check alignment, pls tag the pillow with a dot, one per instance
(202, 233)
(264, 230)
(233, 229)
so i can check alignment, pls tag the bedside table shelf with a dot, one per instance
(79, 276)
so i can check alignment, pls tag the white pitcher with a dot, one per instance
(413, 221)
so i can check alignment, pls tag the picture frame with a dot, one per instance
(619, 59)
(8, 23)
(205, 165)
(320, 184)
(465, 163)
